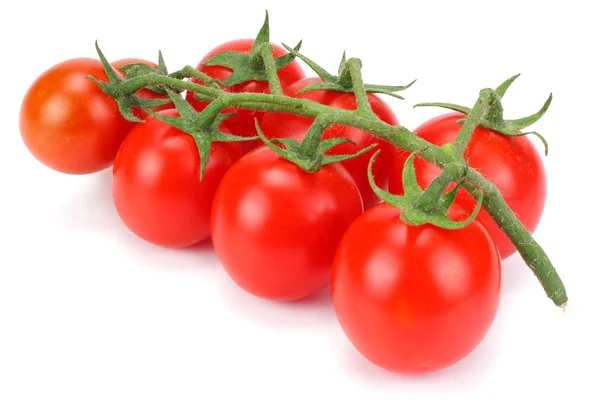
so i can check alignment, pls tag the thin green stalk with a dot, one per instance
(358, 86)
(266, 52)
(472, 120)
(432, 196)
(530, 250)
(211, 112)
(430, 199)
(312, 140)
(191, 72)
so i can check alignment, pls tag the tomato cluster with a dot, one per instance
(410, 298)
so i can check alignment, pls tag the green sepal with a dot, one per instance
(311, 159)
(408, 204)
(330, 143)
(494, 119)
(342, 82)
(409, 178)
(451, 106)
(337, 158)
(503, 87)
(203, 131)
(249, 67)
(401, 202)
(126, 102)
(139, 69)
(448, 198)
(288, 143)
(263, 36)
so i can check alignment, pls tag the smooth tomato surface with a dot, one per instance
(243, 123)
(282, 125)
(156, 183)
(68, 123)
(414, 299)
(143, 93)
(511, 163)
(275, 227)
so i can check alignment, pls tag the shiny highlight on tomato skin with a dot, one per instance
(414, 299)
(276, 227)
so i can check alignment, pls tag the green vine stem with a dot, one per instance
(401, 137)
(430, 199)
(530, 250)
(362, 100)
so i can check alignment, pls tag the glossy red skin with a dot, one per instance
(68, 123)
(511, 163)
(243, 123)
(156, 183)
(282, 125)
(143, 93)
(275, 227)
(414, 299)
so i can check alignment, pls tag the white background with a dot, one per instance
(91, 316)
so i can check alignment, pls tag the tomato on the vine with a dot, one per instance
(144, 93)
(511, 163)
(156, 183)
(243, 123)
(68, 123)
(276, 227)
(415, 299)
(276, 125)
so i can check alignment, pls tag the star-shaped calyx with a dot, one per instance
(125, 100)
(139, 69)
(309, 154)
(250, 66)
(203, 127)
(417, 206)
(343, 81)
(494, 118)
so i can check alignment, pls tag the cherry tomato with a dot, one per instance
(243, 124)
(68, 123)
(414, 299)
(511, 163)
(156, 183)
(143, 93)
(277, 125)
(275, 227)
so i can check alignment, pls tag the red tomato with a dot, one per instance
(243, 123)
(276, 227)
(511, 163)
(143, 93)
(68, 123)
(278, 125)
(414, 299)
(156, 183)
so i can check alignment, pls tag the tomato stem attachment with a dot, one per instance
(343, 82)
(209, 115)
(354, 65)
(203, 127)
(473, 119)
(251, 66)
(432, 199)
(310, 154)
(412, 211)
(493, 117)
(266, 52)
